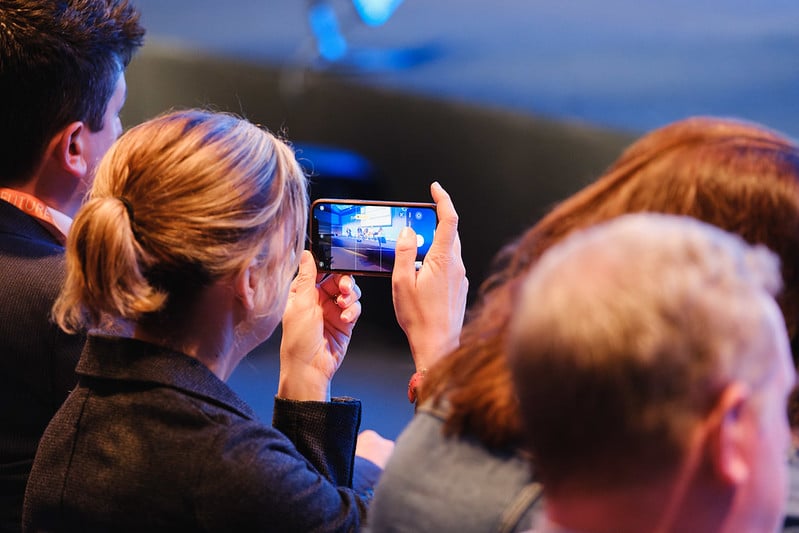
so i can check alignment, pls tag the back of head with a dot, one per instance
(623, 339)
(59, 63)
(179, 202)
(736, 175)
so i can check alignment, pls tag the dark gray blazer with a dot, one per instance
(38, 359)
(152, 440)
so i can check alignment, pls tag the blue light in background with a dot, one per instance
(329, 41)
(376, 12)
(333, 48)
(333, 162)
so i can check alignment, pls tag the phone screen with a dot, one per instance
(360, 237)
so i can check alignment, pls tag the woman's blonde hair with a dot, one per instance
(178, 202)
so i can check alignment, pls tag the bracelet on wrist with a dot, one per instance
(414, 383)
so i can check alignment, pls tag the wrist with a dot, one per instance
(415, 383)
(425, 355)
(303, 385)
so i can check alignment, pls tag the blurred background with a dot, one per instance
(511, 104)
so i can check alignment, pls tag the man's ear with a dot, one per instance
(69, 149)
(245, 286)
(729, 435)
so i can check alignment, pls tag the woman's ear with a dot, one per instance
(246, 287)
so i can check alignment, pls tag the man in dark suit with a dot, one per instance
(62, 86)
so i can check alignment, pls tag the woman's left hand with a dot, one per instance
(430, 303)
(317, 326)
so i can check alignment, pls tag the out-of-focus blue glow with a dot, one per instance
(329, 41)
(376, 12)
(396, 59)
(334, 162)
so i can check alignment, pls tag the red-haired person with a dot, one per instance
(460, 464)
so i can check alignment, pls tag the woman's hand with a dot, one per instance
(430, 304)
(317, 326)
(373, 447)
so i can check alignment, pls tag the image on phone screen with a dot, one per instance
(360, 237)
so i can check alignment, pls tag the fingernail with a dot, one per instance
(348, 282)
(346, 317)
(405, 233)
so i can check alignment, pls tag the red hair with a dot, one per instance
(735, 175)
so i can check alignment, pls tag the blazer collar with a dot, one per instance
(13, 221)
(124, 359)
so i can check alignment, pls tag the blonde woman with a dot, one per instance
(189, 240)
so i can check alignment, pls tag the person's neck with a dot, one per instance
(49, 196)
(204, 330)
(56, 187)
(648, 508)
(66, 202)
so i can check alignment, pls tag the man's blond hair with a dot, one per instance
(624, 337)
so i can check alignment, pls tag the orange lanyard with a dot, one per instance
(32, 206)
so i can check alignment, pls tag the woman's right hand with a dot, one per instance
(320, 314)
(430, 304)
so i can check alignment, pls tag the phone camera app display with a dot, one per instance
(363, 237)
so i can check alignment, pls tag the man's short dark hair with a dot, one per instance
(59, 63)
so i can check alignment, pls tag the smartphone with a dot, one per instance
(360, 236)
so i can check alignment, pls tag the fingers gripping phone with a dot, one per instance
(360, 236)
